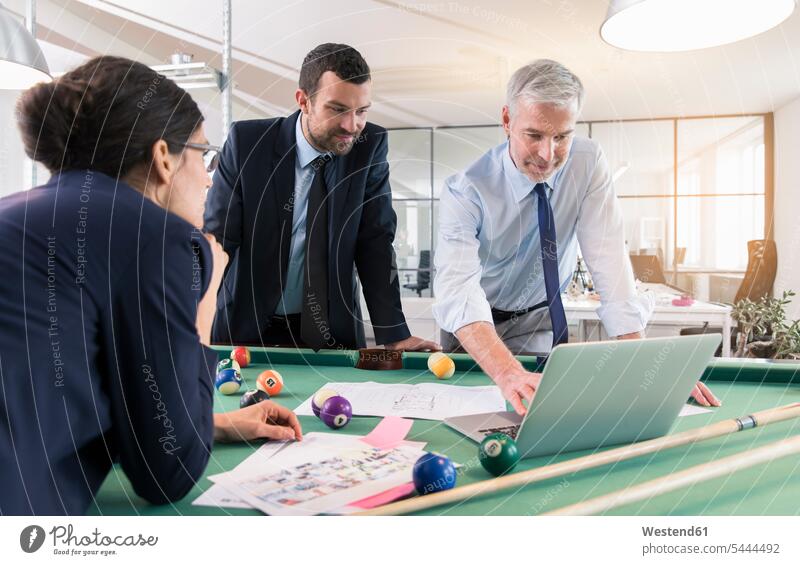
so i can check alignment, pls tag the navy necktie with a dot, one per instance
(314, 315)
(547, 235)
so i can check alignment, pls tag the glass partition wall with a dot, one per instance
(693, 191)
(411, 165)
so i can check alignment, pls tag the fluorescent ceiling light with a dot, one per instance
(22, 62)
(683, 25)
(192, 75)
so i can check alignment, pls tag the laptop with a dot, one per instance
(602, 393)
(647, 269)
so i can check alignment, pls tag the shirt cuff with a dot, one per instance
(452, 314)
(627, 316)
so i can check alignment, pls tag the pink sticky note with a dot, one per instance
(389, 432)
(384, 497)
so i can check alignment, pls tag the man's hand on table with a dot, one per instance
(517, 386)
(414, 343)
(703, 395)
(481, 341)
(265, 420)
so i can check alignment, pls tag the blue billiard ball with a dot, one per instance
(228, 381)
(434, 473)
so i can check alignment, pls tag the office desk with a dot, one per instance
(584, 310)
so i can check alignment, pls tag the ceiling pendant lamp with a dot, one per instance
(684, 25)
(22, 62)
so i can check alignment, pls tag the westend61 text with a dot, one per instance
(677, 532)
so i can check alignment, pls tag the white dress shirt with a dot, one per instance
(488, 253)
(292, 299)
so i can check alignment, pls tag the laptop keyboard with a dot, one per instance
(510, 430)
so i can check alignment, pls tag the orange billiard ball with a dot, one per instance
(270, 382)
(241, 355)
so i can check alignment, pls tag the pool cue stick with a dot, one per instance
(524, 478)
(685, 478)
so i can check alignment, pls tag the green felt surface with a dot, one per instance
(743, 386)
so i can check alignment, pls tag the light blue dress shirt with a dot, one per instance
(488, 252)
(292, 299)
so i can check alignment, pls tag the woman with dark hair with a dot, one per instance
(107, 297)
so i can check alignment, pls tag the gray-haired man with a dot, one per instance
(509, 226)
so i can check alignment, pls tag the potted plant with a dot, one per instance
(763, 329)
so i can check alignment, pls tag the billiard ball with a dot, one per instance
(241, 355)
(228, 364)
(433, 473)
(228, 381)
(252, 397)
(319, 399)
(441, 365)
(498, 454)
(270, 382)
(336, 412)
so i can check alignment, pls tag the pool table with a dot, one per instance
(744, 386)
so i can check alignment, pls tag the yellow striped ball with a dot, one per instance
(441, 365)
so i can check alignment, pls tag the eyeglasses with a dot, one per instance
(210, 153)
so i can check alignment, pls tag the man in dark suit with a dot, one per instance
(297, 202)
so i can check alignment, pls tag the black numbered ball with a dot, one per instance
(252, 397)
(498, 454)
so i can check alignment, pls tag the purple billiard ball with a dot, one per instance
(336, 412)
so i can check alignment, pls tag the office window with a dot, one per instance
(410, 169)
(410, 163)
(699, 223)
(640, 156)
(703, 222)
(721, 191)
(456, 148)
(413, 247)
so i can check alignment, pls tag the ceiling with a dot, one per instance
(435, 63)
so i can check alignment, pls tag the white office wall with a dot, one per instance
(787, 201)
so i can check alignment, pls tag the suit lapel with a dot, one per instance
(283, 186)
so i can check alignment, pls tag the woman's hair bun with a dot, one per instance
(49, 116)
(104, 115)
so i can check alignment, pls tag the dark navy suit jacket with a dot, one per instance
(100, 360)
(249, 210)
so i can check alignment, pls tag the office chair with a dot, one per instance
(423, 273)
(762, 264)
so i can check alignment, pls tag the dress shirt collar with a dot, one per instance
(521, 185)
(305, 151)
